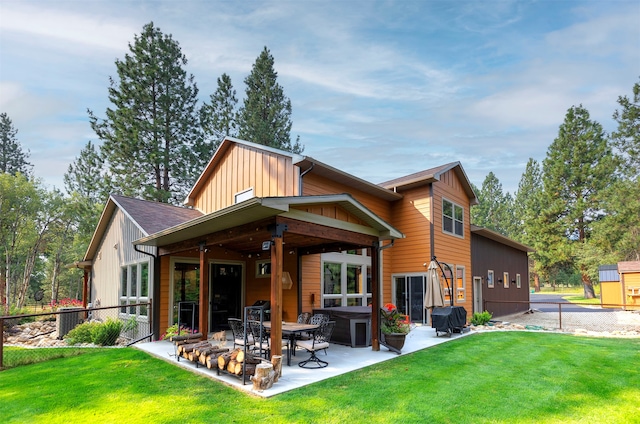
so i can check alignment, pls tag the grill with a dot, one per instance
(448, 320)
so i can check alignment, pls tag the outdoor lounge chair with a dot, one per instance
(320, 341)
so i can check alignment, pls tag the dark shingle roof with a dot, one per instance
(154, 216)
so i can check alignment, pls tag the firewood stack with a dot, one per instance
(232, 362)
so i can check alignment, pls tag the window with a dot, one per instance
(505, 280)
(490, 279)
(263, 268)
(243, 195)
(460, 285)
(134, 289)
(346, 279)
(448, 284)
(518, 281)
(452, 218)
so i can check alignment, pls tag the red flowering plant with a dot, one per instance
(393, 321)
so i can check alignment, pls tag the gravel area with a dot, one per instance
(601, 323)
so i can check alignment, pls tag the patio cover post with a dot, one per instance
(375, 296)
(203, 314)
(276, 294)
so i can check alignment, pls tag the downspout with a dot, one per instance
(155, 306)
(302, 175)
(385, 247)
(432, 239)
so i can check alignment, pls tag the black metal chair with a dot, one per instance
(261, 339)
(237, 328)
(320, 341)
(304, 317)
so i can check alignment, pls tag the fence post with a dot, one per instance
(560, 313)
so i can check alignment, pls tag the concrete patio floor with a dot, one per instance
(342, 359)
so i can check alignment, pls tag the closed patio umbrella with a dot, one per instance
(434, 296)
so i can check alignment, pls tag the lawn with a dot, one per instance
(495, 377)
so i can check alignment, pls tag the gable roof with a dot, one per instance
(429, 176)
(492, 235)
(303, 162)
(150, 217)
(258, 208)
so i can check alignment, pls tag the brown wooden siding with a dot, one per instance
(241, 168)
(314, 185)
(331, 211)
(491, 255)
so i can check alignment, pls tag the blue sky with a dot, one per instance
(379, 89)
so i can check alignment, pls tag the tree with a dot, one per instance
(219, 118)
(627, 137)
(527, 210)
(85, 176)
(578, 167)
(617, 236)
(494, 207)
(148, 136)
(265, 117)
(12, 158)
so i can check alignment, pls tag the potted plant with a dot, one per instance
(394, 326)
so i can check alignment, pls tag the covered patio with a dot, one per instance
(342, 359)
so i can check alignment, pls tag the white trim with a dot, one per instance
(453, 218)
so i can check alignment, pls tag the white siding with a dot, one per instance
(116, 250)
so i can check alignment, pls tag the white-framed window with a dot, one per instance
(346, 279)
(505, 280)
(490, 279)
(518, 281)
(243, 195)
(452, 218)
(460, 284)
(134, 289)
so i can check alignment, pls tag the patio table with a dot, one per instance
(291, 329)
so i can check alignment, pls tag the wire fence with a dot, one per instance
(31, 338)
(572, 317)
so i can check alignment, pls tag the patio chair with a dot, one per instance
(261, 339)
(304, 317)
(320, 341)
(237, 328)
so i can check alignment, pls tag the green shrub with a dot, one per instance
(81, 334)
(107, 333)
(481, 318)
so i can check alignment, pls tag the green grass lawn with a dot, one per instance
(497, 377)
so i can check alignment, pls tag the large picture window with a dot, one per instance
(346, 279)
(134, 289)
(452, 218)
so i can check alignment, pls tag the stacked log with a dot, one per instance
(232, 362)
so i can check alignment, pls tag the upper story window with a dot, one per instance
(452, 218)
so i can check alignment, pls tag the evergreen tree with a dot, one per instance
(148, 136)
(85, 176)
(265, 117)
(578, 166)
(617, 236)
(12, 158)
(218, 118)
(627, 137)
(494, 209)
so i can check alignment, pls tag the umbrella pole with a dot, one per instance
(433, 258)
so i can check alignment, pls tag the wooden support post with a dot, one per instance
(375, 296)
(276, 296)
(203, 315)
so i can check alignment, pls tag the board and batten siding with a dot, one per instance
(242, 168)
(115, 251)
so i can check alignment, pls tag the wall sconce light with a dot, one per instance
(313, 298)
(287, 282)
(499, 280)
(513, 281)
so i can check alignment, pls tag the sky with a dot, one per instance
(379, 89)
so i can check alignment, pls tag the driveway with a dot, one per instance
(566, 306)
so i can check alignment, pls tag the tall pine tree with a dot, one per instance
(265, 117)
(12, 158)
(149, 134)
(578, 167)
